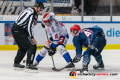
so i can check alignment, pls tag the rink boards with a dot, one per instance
(68, 47)
(111, 30)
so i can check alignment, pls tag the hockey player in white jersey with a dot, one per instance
(59, 38)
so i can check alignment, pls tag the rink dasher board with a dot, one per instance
(68, 47)
(111, 29)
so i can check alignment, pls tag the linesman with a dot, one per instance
(23, 35)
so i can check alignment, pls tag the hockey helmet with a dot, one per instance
(48, 17)
(39, 4)
(75, 27)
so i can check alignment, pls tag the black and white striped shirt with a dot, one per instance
(27, 19)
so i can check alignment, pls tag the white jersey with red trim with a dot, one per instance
(56, 30)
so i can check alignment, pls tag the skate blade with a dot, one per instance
(18, 69)
(31, 71)
(71, 69)
(85, 72)
(100, 69)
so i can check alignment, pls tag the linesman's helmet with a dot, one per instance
(39, 4)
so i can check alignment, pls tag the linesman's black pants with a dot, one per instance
(24, 43)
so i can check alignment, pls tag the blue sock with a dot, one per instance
(86, 60)
(39, 58)
(67, 57)
(86, 57)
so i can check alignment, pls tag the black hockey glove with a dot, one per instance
(75, 60)
(51, 39)
(51, 51)
(42, 25)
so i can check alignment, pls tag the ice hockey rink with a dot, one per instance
(111, 60)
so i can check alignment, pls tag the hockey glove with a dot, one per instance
(75, 60)
(51, 39)
(51, 51)
(42, 25)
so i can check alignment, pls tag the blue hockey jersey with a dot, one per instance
(85, 37)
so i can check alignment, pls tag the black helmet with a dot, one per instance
(39, 4)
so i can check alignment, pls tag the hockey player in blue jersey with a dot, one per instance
(94, 40)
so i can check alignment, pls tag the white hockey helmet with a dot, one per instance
(48, 17)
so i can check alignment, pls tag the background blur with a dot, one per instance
(65, 7)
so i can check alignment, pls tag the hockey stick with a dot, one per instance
(49, 46)
(61, 68)
(54, 69)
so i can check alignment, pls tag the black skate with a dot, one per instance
(18, 67)
(83, 70)
(36, 64)
(70, 67)
(31, 68)
(99, 66)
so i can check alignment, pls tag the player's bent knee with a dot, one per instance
(87, 53)
(61, 49)
(97, 56)
(92, 49)
(42, 54)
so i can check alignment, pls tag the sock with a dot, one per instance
(35, 63)
(67, 57)
(39, 58)
(86, 58)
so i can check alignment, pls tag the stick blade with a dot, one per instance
(54, 69)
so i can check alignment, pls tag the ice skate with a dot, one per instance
(18, 67)
(31, 69)
(83, 70)
(99, 66)
(70, 66)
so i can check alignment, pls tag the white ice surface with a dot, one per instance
(111, 60)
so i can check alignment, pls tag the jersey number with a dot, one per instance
(56, 36)
(87, 32)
